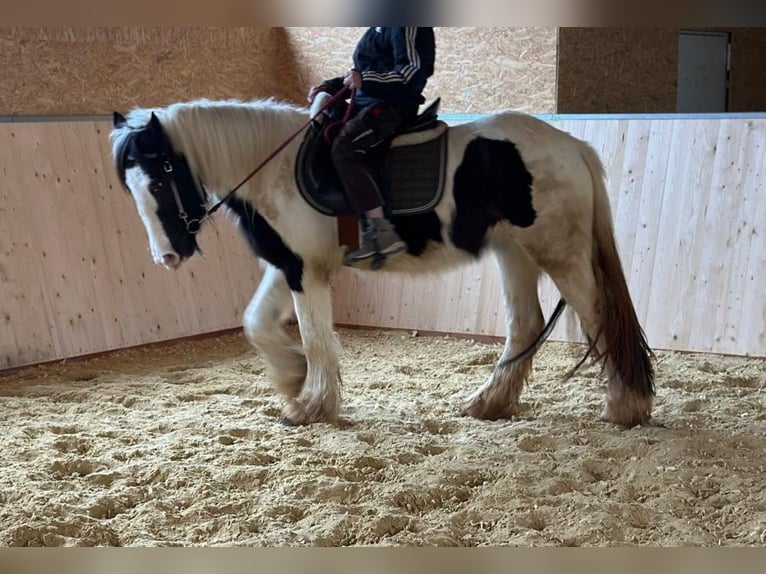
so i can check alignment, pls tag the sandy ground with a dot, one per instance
(179, 445)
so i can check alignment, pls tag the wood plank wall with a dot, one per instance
(689, 205)
(76, 276)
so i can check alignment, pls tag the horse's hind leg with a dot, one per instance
(577, 283)
(263, 319)
(499, 396)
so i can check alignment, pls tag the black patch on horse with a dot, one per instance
(267, 244)
(491, 184)
(417, 230)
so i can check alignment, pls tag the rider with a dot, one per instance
(391, 68)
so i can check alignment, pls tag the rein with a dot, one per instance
(328, 135)
(193, 226)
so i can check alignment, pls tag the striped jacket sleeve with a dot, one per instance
(408, 76)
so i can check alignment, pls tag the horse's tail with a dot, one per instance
(622, 343)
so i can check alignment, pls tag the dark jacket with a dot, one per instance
(395, 64)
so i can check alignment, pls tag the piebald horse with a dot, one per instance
(516, 187)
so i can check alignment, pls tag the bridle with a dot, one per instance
(192, 225)
(195, 224)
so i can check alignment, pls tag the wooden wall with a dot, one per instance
(635, 70)
(76, 276)
(478, 70)
(65, 71)
(68, 71)
(747, 87)
(617, 70)
(689, 203)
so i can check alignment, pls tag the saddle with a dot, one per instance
(410, 174)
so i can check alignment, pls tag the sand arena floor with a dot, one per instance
(179, 445)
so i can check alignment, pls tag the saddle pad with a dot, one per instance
(413, 182)
(415, 176)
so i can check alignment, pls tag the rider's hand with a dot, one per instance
(353, 79)
(314, 91)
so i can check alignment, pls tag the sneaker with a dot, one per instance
(378, 240)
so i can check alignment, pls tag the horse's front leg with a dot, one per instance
(263, 319)
(319, 400)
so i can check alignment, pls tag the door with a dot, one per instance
(703, 67)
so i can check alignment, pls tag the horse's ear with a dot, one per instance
(118, 120)
(154, 122)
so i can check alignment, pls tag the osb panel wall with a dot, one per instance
(477, 69)
(63, 71)
(617, 70)
(624, 70)
(747, 87)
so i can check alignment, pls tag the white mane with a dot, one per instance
(222, 140)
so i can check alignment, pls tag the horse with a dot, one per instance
(515, 187)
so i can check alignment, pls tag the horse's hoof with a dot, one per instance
(627, 417)
(480, 409)
(301, 412)
(471, 409)
(285, 421)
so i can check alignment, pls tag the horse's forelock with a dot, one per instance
(122, 137)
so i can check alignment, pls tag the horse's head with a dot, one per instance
(160, 181)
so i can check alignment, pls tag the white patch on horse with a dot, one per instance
(159, 244)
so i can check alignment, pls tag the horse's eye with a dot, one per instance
(130, 161)
(155, 186)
